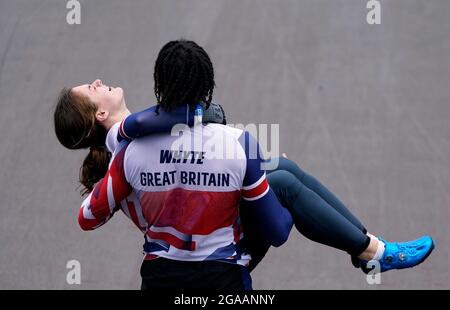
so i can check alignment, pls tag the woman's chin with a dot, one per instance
(118, 94)
(118, 91)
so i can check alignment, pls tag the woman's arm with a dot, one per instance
(105, 198)
(86, 218)
(149, 121)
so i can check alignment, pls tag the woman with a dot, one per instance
(317, 213)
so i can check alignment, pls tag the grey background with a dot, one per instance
(363, 108)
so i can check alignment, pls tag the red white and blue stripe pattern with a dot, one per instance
(257, 190)
(186, 213)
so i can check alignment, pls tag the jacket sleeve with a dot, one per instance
(149, 121)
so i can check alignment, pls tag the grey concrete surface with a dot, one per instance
(363, 108)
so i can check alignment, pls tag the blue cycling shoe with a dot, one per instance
(401, 255)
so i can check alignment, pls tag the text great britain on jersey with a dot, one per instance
(174, 177)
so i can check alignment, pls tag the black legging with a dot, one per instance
(317, 213)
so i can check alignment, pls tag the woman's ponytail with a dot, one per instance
(94, 167)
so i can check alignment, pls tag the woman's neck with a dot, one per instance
(118, 117)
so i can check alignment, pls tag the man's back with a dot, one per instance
(189, 187)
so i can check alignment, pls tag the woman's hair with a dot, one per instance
(77, 128)
(183, 74)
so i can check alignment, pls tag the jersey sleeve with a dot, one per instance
(105, 198)
(151, 121)
(267, 215)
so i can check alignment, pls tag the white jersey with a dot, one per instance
(189, 198)
(187, 192)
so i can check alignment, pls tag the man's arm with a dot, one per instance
(267, 215)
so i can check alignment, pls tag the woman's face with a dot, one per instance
(109, 100)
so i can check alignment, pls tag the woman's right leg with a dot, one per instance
(314, 217)
(314, 185)
(318, 221)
